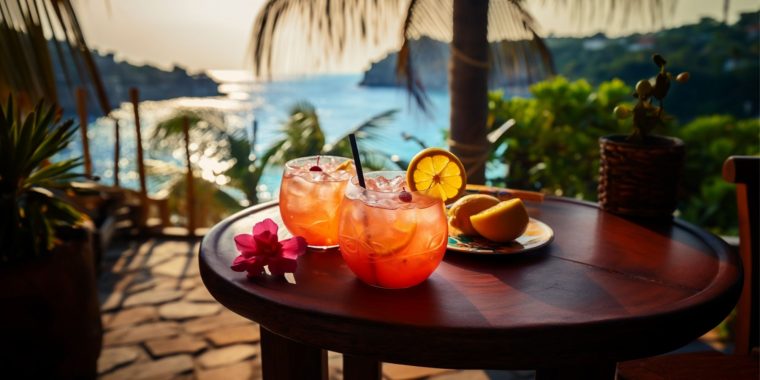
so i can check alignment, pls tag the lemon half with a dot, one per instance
(467, 206)
(502, 223)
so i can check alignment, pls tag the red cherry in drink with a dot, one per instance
(316, 167)
(405, 196)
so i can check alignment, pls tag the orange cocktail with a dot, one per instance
(310, 194)
(389, 237)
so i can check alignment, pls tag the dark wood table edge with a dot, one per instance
(728, 289)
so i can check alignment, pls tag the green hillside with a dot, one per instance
(724, 61)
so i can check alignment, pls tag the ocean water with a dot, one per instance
(340, 102)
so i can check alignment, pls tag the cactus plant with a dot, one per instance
(646, 116)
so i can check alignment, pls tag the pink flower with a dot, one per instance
(263, 249)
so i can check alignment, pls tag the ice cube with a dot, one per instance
(372, 197)
(388, 203)
(354, 192)
(316, 176)
(382, 183)
(364, 196)
(397, 184)
(371, 184)
(297, 186)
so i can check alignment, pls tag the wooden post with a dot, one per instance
(82, 110)
(134, 95)
(116, 152)
(190, 187)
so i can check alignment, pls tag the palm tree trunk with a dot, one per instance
(468, 84)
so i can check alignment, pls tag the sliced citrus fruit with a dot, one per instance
(345, 165)
(467, 206)
(393, 230)
(501, 223)
(437, 172)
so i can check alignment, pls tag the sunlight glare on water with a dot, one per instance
(340, 102)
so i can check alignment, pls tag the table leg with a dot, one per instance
(361, 368)
(282, 358)
(598, 371)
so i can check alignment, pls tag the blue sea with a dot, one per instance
(340, 102)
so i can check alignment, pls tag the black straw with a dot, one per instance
(357, 160)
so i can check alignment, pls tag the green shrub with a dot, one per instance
(708, 200)
(553, 147)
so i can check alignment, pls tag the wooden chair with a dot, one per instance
(743, 364)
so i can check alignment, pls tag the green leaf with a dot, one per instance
(31, 212)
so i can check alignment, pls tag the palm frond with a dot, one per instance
(27, 64)
(212, 203)
(332, 27)
(168, 171)
(302, 135)
(293, 36)
(367, 130)
(60, 213)
(605, 12)
(226, 201)
(374, 159)
(209, 133)
(26, 144)
(211, 137)
(271, 152)
(171, 128)
(55, 174)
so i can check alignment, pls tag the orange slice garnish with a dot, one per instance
(345, 165)
(437, 172)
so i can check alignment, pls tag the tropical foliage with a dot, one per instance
(709, 201)
(302, 135)
(30, 211)
(553, 146)
(26, 68)
(220, 157)
(224, 157)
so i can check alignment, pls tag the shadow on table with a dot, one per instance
(510, 375)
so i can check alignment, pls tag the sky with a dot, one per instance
(215, 34)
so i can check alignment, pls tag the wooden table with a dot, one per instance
(607, 289)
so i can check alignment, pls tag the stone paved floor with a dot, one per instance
(161, 323)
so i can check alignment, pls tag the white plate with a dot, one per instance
(537, 235)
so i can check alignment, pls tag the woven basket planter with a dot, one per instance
(640, 179)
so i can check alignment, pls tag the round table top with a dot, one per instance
(607, 288)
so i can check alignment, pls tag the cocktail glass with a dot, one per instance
(310, 194)
(388, 237)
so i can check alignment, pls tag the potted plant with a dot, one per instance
(639, 173)
(50, 319)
